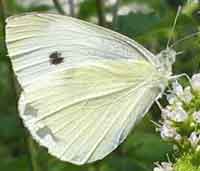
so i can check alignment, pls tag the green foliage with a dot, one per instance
(190, 162)
(87, 9)
(143, 147)
(132, 30)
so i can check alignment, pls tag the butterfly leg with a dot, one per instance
(175, 77)
(159, 105)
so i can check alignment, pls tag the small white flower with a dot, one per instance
(187, 95)
(164, 167)
(177, 88)
(196, 81)
(167, 132)
(178, 137)
(196, 116)
(166, 113)
(179, 94)
(171, 98)
(194, 139)
(179, 114)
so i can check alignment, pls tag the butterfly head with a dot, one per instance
(166, 59)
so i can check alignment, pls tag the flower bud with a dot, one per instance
(196, 82)
(177, 88)
(166, 113)
(196, 116)
(179, 114)
(194, 139)
(167, 132)
(164, 166)
(187, 95)
(178, 138)
(171, 98)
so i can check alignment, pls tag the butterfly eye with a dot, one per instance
(55, 58)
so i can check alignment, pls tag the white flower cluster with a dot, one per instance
(164, 166)
(180, 123)
(178, 120)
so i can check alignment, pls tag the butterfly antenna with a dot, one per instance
(185, 38)
(174, 25)
(178, 53)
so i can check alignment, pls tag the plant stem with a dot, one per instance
(115, 11)
(33, 154)
(71, 8)
(100, 12)
(58, 6)
(14, 85)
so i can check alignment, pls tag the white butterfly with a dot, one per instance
(84, 87)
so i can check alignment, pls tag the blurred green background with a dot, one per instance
(147, 21)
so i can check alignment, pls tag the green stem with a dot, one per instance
(58, 6)
(115, 16)
(33, 154)
(14, 85)
(100, 12)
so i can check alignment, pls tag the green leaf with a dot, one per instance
(87, 9)
(10, 128)
(135, 24)
(146, 148)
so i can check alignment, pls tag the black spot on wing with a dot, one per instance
(30, 111)
(55, 58)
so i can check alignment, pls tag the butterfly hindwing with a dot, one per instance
(83, 114)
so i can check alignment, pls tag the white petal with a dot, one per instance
(196, 81)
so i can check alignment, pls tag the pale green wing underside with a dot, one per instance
(84, 107)
(32, 38)
(83, 114)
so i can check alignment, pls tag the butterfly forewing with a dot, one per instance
(83, 114)
(31, 40)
